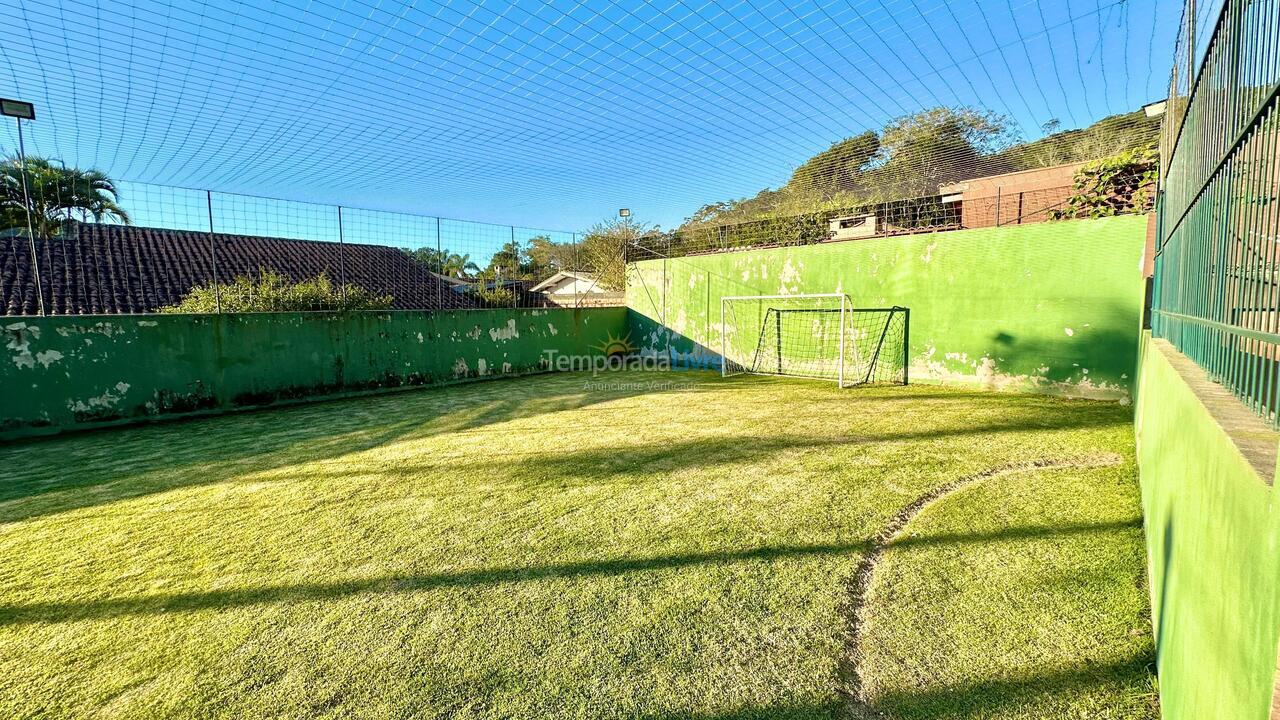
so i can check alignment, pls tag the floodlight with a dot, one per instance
(18, 109)
(624, 212)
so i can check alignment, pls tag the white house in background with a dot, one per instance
(569, 283)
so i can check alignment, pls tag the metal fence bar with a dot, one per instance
(213, 253)
(1216, 293)
(342, 260)
(440, 267)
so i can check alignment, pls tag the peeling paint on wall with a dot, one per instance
(20, 337)
(789, 278)
(155, 366)
(927, 257)
(506, 332)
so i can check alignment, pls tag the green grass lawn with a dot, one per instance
(538, 547)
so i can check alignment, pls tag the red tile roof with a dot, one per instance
(106, 269)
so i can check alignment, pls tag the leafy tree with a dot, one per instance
(546, 257)
(272, 292)
(1108, 137)
(57, 196)
(933, 147)
(459, 265)
(495, 296)
(604, 248)
(538, 258)
(908, 159)
(508, 263)
(840, 168)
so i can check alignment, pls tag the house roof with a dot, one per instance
(452, 281)
(560, 277)
(107, 269)
(1051, 176)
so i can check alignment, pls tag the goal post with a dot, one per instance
(820, 336)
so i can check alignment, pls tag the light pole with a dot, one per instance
(19, 111)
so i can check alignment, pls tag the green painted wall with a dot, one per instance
(1050, 307)
(67, 372)
(1213, 529)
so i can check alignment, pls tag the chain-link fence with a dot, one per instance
(996, 206)
(170, 249)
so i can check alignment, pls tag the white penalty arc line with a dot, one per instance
(852, 676)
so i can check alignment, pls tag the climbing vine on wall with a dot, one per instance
(1118, 185)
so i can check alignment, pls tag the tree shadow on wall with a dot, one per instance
(1089, 355)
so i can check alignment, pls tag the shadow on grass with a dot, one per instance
(224, 599)
(597, 464)
(1029, 532)
(637, 464)
(139, 461)
(989, 697)
(233, 598)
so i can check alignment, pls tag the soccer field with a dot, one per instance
(663, 545)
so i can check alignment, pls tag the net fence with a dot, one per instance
(179, 249)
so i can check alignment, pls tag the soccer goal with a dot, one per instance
(819, 336)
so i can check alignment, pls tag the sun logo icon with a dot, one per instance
(615, 346)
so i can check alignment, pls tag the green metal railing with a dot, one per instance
(1216, 294)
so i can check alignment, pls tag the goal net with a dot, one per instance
(813, 336)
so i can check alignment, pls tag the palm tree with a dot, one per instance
(459, 266)
(56, 196)
(446, 263)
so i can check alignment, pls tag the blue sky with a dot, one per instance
(541, 114)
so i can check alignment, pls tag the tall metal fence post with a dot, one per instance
(342, 261)
(213, 253)
(998, 206)
(31, 233)
(1191, 45)
(515, 271)
(440, 263)
(577, 295)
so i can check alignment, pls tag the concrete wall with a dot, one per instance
(1213, 531)
(83, 371)
(1052, 307)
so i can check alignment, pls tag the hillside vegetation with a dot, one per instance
(912, 156)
